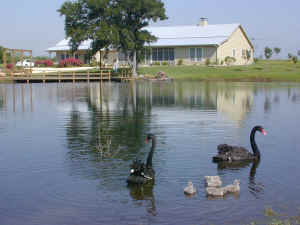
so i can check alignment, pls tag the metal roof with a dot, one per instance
(175, 36)
(64, 46)
(192, 35)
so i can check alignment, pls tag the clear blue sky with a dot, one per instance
(36, 24)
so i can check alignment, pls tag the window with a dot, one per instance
(244, 55)
(86, 58)
(196, 54)
(122, 57)
(159, 54)
(166, 54)
(162, 54)
(233, 52)
(171, 54)
(154, 54)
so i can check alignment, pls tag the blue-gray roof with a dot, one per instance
(175, 36)
(192, 35)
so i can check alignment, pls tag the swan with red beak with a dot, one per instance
(236, 153)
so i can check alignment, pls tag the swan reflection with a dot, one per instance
(143, 194)
(255, 188)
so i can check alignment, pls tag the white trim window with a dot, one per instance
(162, 54)
(196, 54)
(233, 53)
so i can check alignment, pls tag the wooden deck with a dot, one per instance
(103, 75)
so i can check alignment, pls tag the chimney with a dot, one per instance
(203, 22)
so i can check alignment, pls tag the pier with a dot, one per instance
(80, 76)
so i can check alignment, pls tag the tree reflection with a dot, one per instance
(117, 114)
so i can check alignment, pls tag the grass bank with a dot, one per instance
(263, 70)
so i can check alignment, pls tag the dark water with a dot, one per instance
(66, 151)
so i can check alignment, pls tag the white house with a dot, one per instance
(192, 44)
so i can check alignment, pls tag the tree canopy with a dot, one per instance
(268, 52)
(1, 54)
(277, 50)
(112, 23)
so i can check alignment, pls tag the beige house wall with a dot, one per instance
(236, 44)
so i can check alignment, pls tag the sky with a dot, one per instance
(36, 24)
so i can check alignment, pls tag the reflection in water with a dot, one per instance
(255, 188)
(95, 130)
(143, 194)
(267, 104)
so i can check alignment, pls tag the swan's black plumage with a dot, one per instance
(141, 173)
(235, 153)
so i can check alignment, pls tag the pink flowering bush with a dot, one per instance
(69, 62)
(9, 66)
(45, 63)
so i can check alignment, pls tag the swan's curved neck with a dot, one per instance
(150, 155)
(255, 149)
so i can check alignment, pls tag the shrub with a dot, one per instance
(207, 61)
(164, 63)
(43, 63)
(255, 60)
(229, 60)
(157, 63)
(180, 62)
(295, 59)
(69, 62)
(10, 66)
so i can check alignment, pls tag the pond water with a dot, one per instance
(66, 150)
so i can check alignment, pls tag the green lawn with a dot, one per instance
(263, 70)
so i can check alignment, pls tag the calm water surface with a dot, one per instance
(66, 150)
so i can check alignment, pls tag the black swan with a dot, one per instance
(235, 153)
(139, 172)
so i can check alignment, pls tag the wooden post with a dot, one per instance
(13, 57)
(44, 77)
(4, 58)
(109, 75)
(73, 75)
(59, 76)
(22, 59)
(30, 61)
(27, 75)
(88, 76)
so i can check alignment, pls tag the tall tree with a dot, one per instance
(277, 50)
(1, 54)
(112, 23)
(298, 53)
(268, 52)
(133, 17)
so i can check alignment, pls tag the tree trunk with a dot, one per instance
(134, 67)
(100, 61)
